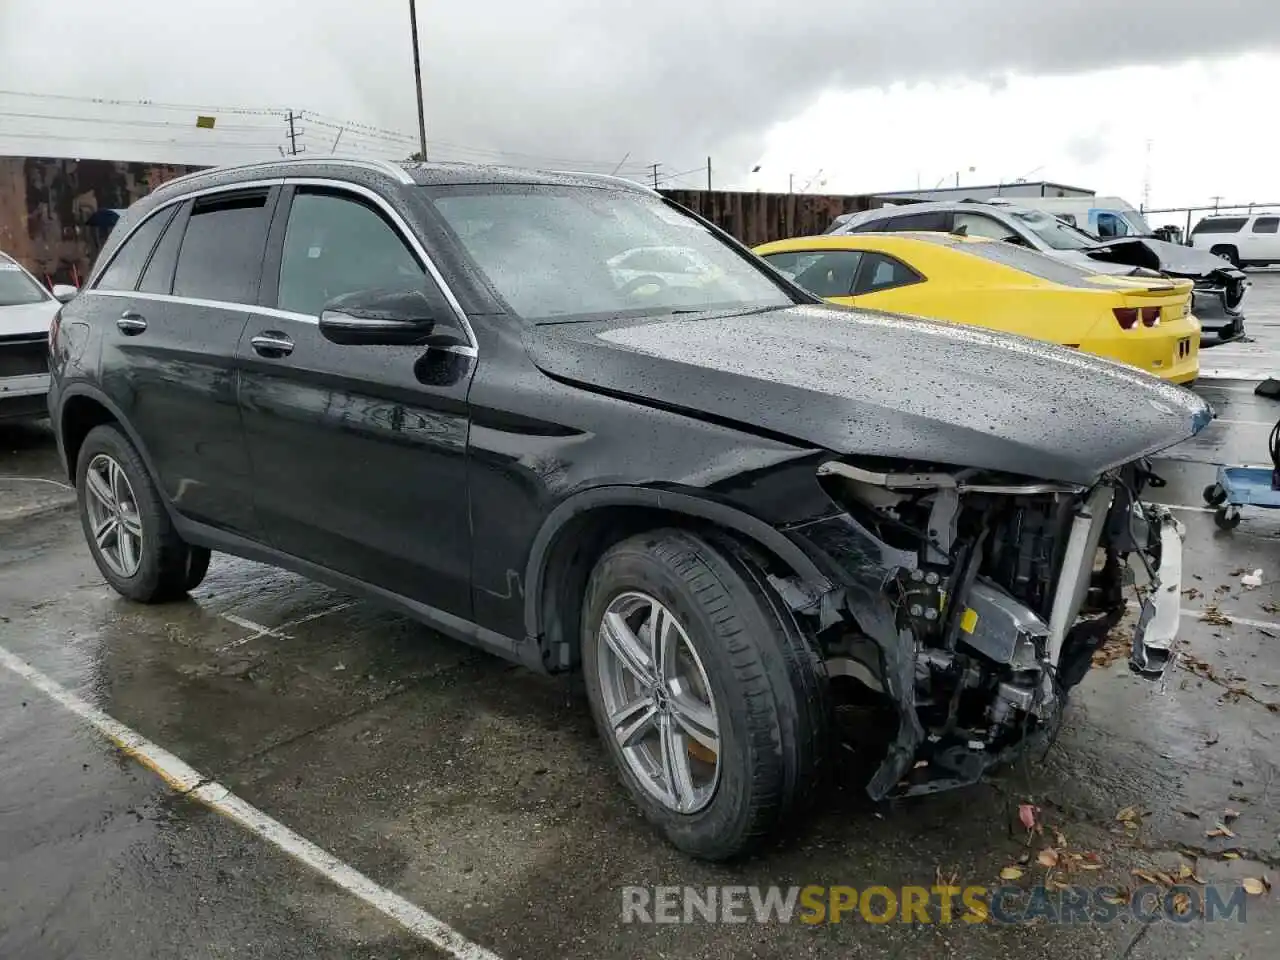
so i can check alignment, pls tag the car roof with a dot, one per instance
(931, 206)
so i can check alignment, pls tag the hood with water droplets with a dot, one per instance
(859, 382)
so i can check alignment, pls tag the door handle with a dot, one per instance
(131, 324)
(272, 344)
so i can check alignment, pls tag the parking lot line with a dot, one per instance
(190, 782)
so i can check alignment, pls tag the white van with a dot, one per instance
(1247, 240)
(1103, 217)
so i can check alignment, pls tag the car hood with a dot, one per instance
(1171, 258)
(28, 318)
(859, 382)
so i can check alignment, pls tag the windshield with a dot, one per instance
(1138, 224)
(1053, 231)
(557, 253)
(17, 289)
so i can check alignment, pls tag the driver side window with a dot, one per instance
(336, 244)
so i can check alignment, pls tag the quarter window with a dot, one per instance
(1266, 225)
(825, 273)
(122, 273)
(880, 272)
(978, 225)
(936, 222)
(1219, 225)
(222, 249)
(335, 245)
(158, 276)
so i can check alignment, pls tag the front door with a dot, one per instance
(359, 452)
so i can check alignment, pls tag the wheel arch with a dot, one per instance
(581, 528)
(84, 407)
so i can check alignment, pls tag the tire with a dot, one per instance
(766, 687)
(1228, 253)
(1227, 518)
(1214, 495)
(160, 566)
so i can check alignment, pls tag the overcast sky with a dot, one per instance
(862, 95)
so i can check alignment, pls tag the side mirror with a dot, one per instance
(64, 292)
(387, 317)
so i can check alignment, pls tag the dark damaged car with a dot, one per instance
(1219, 289)
(730, 507)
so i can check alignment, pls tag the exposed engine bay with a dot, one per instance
(973, 602)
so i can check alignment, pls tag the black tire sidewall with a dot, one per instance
(156, 526)
(724, 826)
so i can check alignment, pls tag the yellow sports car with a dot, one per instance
(1142, 321)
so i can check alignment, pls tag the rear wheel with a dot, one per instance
(1214, 495)
(704, 689)
(129, 532)
(1227, 252)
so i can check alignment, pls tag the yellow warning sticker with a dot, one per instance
(969, 621)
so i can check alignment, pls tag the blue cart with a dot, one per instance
(1238, 487)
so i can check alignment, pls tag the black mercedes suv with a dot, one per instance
(564, 419)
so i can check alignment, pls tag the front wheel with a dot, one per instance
(129, 532)
(1214, 495)
(704, 688)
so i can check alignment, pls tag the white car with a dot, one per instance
(1248, 240)
(26, 310)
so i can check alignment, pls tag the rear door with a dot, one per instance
(359, 451)
(177, 306)
(1263, 240)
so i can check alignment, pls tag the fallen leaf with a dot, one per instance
(1010, 873)
(1238, 571)
(1089, 866)
(1027, 814)
(1055, 884)
(1120, 897)
(1230, 814)
(977, 910)
(1231, 855)
(1127, 814)
(1253, 886)
(1211, 614)
(1143, 875)
(1189, 814)
(1181, 904)
(1220, 830)
(1048, 857)
(1191, 593)
(1270, 607)
(1164, 878)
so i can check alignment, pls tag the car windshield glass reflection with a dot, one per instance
(1053, 231)
(562, 253)
(17, 289)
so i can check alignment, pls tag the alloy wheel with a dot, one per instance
(114, 522)
(659, 703)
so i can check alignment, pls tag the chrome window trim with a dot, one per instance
(407, 236)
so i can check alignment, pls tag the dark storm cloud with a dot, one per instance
(668, 80)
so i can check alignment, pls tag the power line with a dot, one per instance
(108, 101)
(174, 143)
(294, 133)
(128, 123)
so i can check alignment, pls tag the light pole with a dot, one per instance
(417, 80)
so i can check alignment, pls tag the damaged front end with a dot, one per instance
(972, 602)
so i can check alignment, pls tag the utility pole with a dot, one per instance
(708, 174)
(655, 174)
(791, 183)
(1216, 201)
(294, 134)
(417, 80)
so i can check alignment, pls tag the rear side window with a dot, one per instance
(158, 276)
(1266, 224)
(935, 222)
(1219, 225)
(881, 272)
(1020, 258)
(222, 249)
(336, 244)
(122, 273)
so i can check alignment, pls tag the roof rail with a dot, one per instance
(609, 176)
(397, 173)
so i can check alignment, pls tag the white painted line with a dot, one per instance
(188, 781)
(259, 629)
(1246, 423)
(1197, 614)
(1228, 373)
(317, 615)
(1186, 506)
(56, 483)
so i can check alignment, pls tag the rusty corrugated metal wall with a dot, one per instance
(756, 218)
(46, 203)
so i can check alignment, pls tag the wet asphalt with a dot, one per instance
(478, 790)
